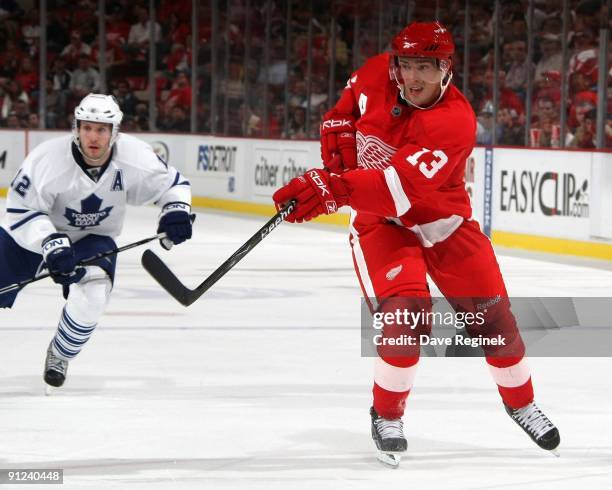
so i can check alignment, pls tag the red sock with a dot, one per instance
(389, 404)
(517, 397)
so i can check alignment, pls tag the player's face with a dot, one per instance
(421, 80)
(95, 138)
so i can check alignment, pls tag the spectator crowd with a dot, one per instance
(258, 76)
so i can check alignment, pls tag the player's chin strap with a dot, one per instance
(444, 83)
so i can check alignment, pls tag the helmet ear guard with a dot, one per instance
(447, 73)
(445, 66)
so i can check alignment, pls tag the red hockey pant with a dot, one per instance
(392, 265)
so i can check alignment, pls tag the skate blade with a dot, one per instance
(391, 460)
(50, 390)
(555, 452)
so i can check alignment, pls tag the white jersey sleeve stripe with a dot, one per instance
(402, 203)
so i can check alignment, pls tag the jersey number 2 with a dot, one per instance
(430, 166)
(21, 183)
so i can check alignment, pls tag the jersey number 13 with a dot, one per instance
(429, 162)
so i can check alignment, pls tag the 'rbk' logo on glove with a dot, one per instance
(336, 123)
(316, 178)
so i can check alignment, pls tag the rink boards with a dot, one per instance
(538, 199)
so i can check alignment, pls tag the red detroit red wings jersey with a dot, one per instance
(411, 161)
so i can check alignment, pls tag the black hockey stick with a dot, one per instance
(167, 280)
(101, 255)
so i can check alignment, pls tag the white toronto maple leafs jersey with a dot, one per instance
(53, 193)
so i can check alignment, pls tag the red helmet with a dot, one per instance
(424, 40)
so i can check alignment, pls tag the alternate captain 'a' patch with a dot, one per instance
(117, 184)
(90, 215)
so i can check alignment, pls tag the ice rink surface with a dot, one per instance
(260, 383)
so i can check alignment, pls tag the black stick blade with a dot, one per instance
(166, 278)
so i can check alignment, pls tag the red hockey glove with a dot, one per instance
(317, 192)
(338, 143)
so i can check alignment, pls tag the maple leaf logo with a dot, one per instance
(90, 214)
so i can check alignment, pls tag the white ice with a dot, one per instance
(260, 383)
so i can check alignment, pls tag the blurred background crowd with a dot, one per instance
(537, 72)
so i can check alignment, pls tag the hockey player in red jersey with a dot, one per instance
(394, 149)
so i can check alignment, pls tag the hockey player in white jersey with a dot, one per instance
(68, 202)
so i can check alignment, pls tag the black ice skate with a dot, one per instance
(537, 425)
(55, 369)
(388, 434)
